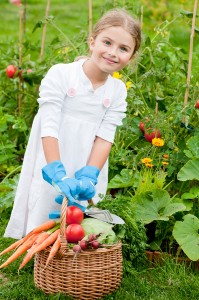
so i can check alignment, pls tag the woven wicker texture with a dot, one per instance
(89, 275)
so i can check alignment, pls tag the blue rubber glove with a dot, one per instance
(87, 177)
(55, 174)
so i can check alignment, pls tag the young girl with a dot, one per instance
(80, 106)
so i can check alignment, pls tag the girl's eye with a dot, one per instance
(107, 43)
(123, 49)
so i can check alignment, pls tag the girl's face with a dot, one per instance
(112, 49)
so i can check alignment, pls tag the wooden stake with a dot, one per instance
(44, 31)
(190, 58)
(20, 54)
(24, 17)
(156, 107)
(90, 18)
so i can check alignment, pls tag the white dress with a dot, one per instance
(74, 113)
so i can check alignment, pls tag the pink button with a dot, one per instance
(106, 103)
(71, 92)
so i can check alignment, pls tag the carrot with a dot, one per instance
(40, 238)
(16, 244)
(22, 249)
(45, 226)
(47, 242)
(54, 249)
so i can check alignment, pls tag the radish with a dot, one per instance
(83, 244)
(95, 244)
(77, 249)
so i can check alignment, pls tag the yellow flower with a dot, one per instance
(148, 165)
(146, 160)
(128, 85)
(165, 163)
(117, 75)
(158, 142)
(176, 149)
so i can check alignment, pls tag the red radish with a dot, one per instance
(83, 244)
(10, 71)
(151, 135)
(92, 237)
(95, 244)
(77, 248)
(197, 104)
(74, 233)
(74, 215)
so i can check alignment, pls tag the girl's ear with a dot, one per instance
(91, 43)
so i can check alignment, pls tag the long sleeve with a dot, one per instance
(115, 113)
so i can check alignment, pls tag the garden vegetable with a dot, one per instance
(104, 230)
(47, 242)
(21, 250)
(74, 233)
(151, 135)
(197, 104)
(74, 215)
(54, 249)
(10, 71)
(141, 126)
(41, 237)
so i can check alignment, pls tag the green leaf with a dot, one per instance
(186, 234)
(37, 25)
(155, 205)
(189, 171)
(125, 179)
(193, 146)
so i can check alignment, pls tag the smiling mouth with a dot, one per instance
(110, 61)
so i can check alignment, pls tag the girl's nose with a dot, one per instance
(112, 51)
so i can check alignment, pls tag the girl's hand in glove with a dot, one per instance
(55, 174)
(87, 177)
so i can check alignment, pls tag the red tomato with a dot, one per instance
(10, 71)
(74, 233)
(74, 215)
(197, 104)
(141, 126)
(151, 135)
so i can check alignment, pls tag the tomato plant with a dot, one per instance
(74, 233)
(74, 215)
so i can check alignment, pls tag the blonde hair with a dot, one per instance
(119, 17)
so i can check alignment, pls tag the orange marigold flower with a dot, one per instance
(146, 160)
(158, 142)
(165, 156)
(148, 165)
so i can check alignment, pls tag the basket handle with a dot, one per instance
(64, 245)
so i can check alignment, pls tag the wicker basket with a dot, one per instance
(90, 275)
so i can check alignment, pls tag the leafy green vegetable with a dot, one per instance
(132, 233)
(107, 235)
